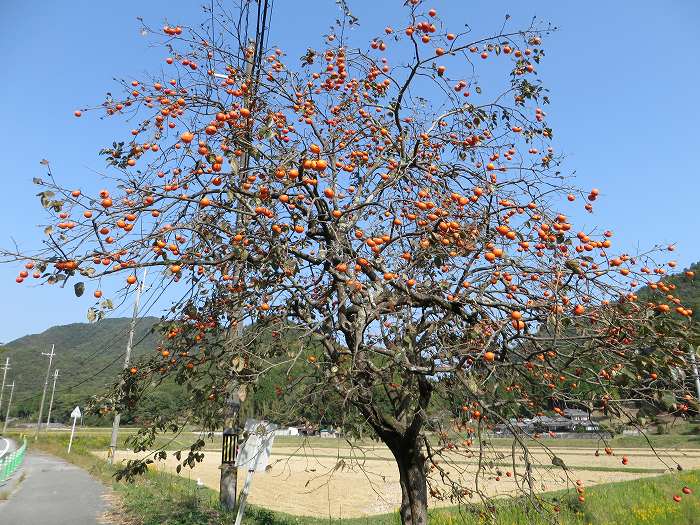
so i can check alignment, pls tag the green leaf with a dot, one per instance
(668, 400)
(234, 164)
(45, 197)
(558, 462)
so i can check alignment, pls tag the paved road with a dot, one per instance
(53, 492)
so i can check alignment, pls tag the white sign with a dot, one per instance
(75, 415)
(255, 452)
(254, 455)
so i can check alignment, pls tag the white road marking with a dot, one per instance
(7, 446)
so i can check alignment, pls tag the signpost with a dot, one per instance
(75, 415)
(254, 455)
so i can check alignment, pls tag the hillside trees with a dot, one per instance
(385, 202)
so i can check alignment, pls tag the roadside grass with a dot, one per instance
(158, 498)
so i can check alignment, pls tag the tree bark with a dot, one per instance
(414, 489)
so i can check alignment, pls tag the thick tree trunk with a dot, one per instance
(414, 490)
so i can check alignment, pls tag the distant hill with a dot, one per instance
(687, 289)
(88, 356)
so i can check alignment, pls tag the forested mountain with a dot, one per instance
(89, 358)
(688, 288)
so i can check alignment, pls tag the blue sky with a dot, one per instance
(623, 78)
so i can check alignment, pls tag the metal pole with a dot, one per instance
(53, 390)
(244, 495)
(9, 403)
(43, 395)
(694, 365)
(117, 415)
(263, 444)
(5, 368)
(72, 431)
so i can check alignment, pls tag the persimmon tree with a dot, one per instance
(386, 221)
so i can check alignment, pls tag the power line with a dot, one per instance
(153, 299)
(95, 374)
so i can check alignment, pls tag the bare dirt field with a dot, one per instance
(341, 481)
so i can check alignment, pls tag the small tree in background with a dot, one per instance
(381, 228)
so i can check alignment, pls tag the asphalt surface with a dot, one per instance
(53, 492)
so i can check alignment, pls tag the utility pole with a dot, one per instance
(5, 368)
(117, 415)
(9, 403)
(43, 395)
(228, 479)
(694, 365)
(53, 390)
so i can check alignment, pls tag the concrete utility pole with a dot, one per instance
(694, 365)
(5, 368)
(53, 390)
(228, 480)
(9, 403)
(117, 415)
(43, 395)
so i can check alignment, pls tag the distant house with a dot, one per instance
(581, 420)
(551, 424)
(574, 414)
(572, 420)
(287, 431)
(307, 430)
(328, 433)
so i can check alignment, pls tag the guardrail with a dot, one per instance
(11, 462)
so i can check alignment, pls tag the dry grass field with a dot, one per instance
(329, 478)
